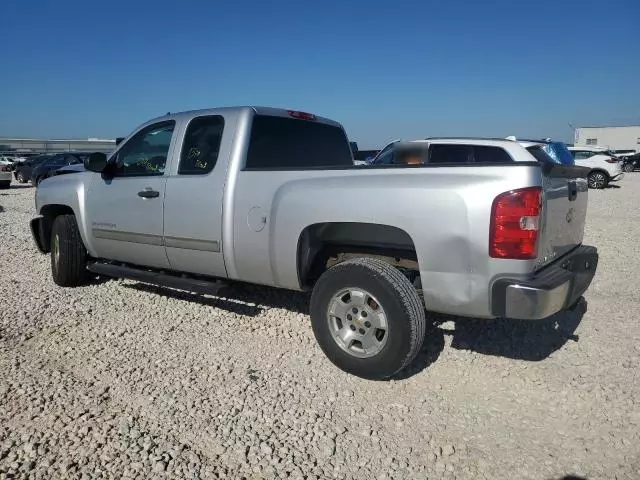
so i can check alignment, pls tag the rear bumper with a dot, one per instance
(5, 176)
(617, 177)
(555, 288)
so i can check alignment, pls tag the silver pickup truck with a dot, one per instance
(200, 199)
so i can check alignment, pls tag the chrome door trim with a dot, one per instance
(192, 244)
(131, 237)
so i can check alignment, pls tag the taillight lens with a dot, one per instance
(515, 223)
(612, 160)
(301, 115)
(4, 168)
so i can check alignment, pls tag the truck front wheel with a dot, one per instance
(367, 318)
(68, 254)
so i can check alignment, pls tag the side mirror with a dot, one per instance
(96, 162)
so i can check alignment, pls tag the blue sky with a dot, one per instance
(384, 69)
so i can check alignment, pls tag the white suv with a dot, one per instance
(5, 172)
(604, 167)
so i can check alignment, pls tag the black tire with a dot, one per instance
(68, 254)
(598, 179)
(628, 167)
(404, 312)
(21, 178)
(5, 185)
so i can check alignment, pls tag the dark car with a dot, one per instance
(44, 170)
(631, 162)
(22, 170)
(74, 168)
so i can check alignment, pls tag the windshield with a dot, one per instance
(385, 156)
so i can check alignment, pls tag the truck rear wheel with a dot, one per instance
(367, 318)
(68, 254)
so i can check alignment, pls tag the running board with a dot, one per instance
(157, 278)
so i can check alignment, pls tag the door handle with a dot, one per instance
(148, 193)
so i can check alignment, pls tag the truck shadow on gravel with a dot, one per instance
(246, 300)
(517, 339)
(14, 188)
(253, 300)
(531, 340)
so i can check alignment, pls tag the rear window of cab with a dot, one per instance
(293, 144)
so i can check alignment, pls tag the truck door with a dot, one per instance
(194, 195)
(126, 211)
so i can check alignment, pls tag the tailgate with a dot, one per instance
(564, 211)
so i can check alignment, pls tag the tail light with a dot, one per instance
(301, 115)
(612, 160)
(5, 168)
(515, 223)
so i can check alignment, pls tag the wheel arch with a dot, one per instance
(49, 214)
(323, 245)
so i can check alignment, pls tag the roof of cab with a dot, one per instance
(270, 111)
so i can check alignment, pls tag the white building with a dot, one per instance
(613, 138)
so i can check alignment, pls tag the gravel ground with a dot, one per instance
(122, 380)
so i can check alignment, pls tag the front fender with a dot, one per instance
(65, 192)
(41, 233)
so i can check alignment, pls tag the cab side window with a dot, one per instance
(201, 145)
(468, 154)
(146, 152)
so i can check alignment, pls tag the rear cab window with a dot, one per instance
(284, 143)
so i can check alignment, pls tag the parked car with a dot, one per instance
(73, 168)
(196, 199)
(604, 168)
(547, 150)
(44, 169)
(631, 162)
(558, 151)
(361, 157)
(623, 154)
(385, 151)
(22, 170)
(5, 173)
